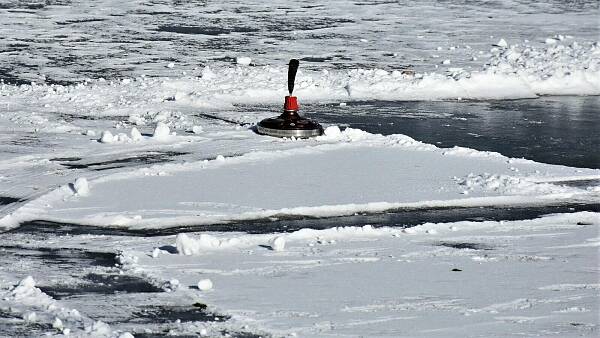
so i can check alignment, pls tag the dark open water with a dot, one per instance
(559, 129)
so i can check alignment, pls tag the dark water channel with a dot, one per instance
(555, 129)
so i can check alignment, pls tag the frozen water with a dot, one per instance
(61, 42)
(154, 104)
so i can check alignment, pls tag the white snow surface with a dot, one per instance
(187, 102)
(500, 279)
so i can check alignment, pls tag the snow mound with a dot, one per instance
(334, 134)
(505, 184)
(26, 293)
(135, 134)
(81, 186)
(205, 285)
(278, 243)
(243, 60)
(106, 137)
(194, 246)
(515, 71)
(161, 131)
(198, 246)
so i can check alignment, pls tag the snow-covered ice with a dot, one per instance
(340, 173)
(427, 283)
(138, 118)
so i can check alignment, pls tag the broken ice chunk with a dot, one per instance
(243, 60)
(106, 137)
(161, 131)
(205, 284)
(81, 186)
(278, 243)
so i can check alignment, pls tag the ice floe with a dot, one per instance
(340, 173)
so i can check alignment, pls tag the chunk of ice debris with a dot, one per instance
(136, 119)
(74, 313)
(161, 131)
(550, 41)
(333, 131)
(89, 133)
(81, 186)
(57, 324)
(197, 129)
(446, 62)
(171, 285)
(107, 137)
(121, 137)
(278, 243)
(155, 252)
(502, 43)
(207, 73)
(26, 290)
(185, 245)
(98, 329)
(243, 60)
(205, 284)
(126, 335)
(170, 65)
(123, 258)
(27, 282)
(135, 134)
(30, 317)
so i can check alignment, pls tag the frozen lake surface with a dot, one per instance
(63, 41)
(455, 192)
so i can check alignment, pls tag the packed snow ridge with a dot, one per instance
(565, 67)
(205, 243)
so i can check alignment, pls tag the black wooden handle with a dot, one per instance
(292, 74)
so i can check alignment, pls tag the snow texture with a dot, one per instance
(139, 116)
(349, 172)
